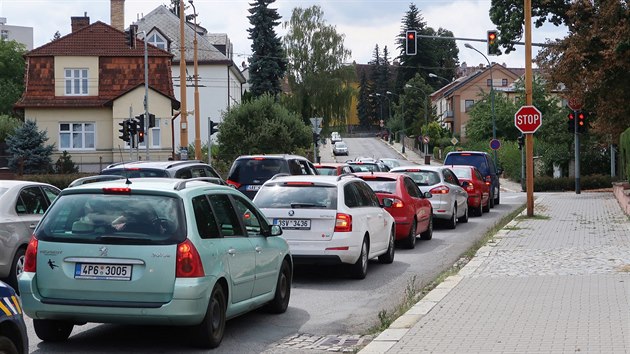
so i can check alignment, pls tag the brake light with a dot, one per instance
(343, 223)
(234, 184)
(258, 158)
(117, 190)
(188, 264)
(397, 203)
(299, 183)
(30, 257)
(488, 180)
(470, 187)
(440, 190)
(413, 170)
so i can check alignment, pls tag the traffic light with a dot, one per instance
(214, 127)
(316, 139)
(571, 122)
(581, 122)
(151, 120)
(521, 141)
(411, 42)
(124, 130)
(140, 127)
(130, 36)
(493, 42)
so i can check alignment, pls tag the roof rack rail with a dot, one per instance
(344, 175)
(183, 162)
(182, 184)
(279, 175)
(92, 179)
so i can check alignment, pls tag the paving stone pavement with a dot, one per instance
(558, 282)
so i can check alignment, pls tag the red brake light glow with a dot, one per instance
(397, 203)
(299, 183)
(439, 190)
(232, 183)
(488, 180)
(259, 158)
(343, 223)
(188, 264)
(30, 258)
(117, 190)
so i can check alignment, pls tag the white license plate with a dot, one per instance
(293, 224)
(102, 271)
(252, 187)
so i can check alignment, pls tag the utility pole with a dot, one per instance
(183, 125)
(146, 96)
(197, 119)
(529, 138)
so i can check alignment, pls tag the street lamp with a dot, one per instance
(402, 138)
(197, 120)
(494, 125)
(426, 115)
(439, 77)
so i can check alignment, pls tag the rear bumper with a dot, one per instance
(187, 306)
(343, 247)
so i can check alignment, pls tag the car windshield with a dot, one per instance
(136, 172)
(297, 196)
(117, 219)
(476, 160)
(382, 186)
(327, 171)
(340, 145)
(257, 170)
(364, 167)
(424, 178)
(462, 172)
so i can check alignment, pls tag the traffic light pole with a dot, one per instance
(577, 153)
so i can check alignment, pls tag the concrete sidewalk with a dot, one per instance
(558, 282)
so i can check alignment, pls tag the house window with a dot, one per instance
(468, 105)
(504, 82)
(157, 41)
(76, 82)
(489, 82)
(76, 136)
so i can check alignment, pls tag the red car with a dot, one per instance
(333, 168)
(411, 208)
(478, 189)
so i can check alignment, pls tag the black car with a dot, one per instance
(249, 172)
(485, 164)
(171, 169)
(13, 335)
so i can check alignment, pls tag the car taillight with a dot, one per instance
(439, 190)
(232, 183)
(30, 257)
(397, 203)
(188, 263)
(488, 180)
(470, 187)
(343, 223)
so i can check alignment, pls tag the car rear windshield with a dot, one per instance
(136, 172)
(307, 195)
(476, 160)
(424, 178)
(327, 171)
(364, 167)
(462, 172)
(257, 170)
(382, 185)
(114, 219)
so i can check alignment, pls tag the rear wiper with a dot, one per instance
(307, 205)
(381, 191)
(123, 239)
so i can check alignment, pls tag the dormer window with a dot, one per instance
(76, 82)
(158, 41)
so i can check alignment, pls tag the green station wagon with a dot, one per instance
(153, 251)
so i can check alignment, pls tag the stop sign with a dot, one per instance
(528, 119)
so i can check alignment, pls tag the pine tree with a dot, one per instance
(363, 104)
(27, 149)
(268, 62)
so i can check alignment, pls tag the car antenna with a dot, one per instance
(127, 181)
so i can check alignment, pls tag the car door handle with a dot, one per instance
(258, 249)
(232, 251)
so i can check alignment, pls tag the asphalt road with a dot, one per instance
(324, 301)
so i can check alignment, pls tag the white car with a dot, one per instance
(335, 137)
(450, 200)
(330, 220)
(340, 148)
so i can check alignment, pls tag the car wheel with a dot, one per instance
(7, 346)
(280, 301)
(211, 329)
(491, 201)
(410, 241)
(388, 256)
(452, 222)
(464, 218)
(359, 268)
(486, 208)
(498, 198)
(428, 233)
(52, 330)
(17, 267)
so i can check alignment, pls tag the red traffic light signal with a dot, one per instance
(571, 122)
(492, 40)
(411, 42)
(581, 122)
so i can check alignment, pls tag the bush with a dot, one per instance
(59, 181)
(563, 184)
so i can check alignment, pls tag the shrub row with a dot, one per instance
(550, 184)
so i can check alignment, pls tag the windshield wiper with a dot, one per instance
(382, 191)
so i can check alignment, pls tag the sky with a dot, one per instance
(364, 23)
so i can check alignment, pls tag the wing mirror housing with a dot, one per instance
(387, 202)
(427, 195)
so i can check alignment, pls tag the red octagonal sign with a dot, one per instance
(528, 119)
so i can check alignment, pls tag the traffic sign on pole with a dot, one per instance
(528, 119)
(495, 144)
(574, 104)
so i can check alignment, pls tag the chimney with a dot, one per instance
(79, 22)
(117, 14)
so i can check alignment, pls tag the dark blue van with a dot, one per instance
(485, 164)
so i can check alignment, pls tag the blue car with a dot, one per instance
(13, 337)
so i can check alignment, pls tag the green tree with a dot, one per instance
(268, 62)
(65, 164)
(262, 126)
(12, 68)
(415, 103)
(364, 108)
(29, 154)
(320, 80)
(8, 125)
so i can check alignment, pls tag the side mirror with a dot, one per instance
(387, 202)
(276, 230)
(465, 184)
(427, 195)
(499, 171)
